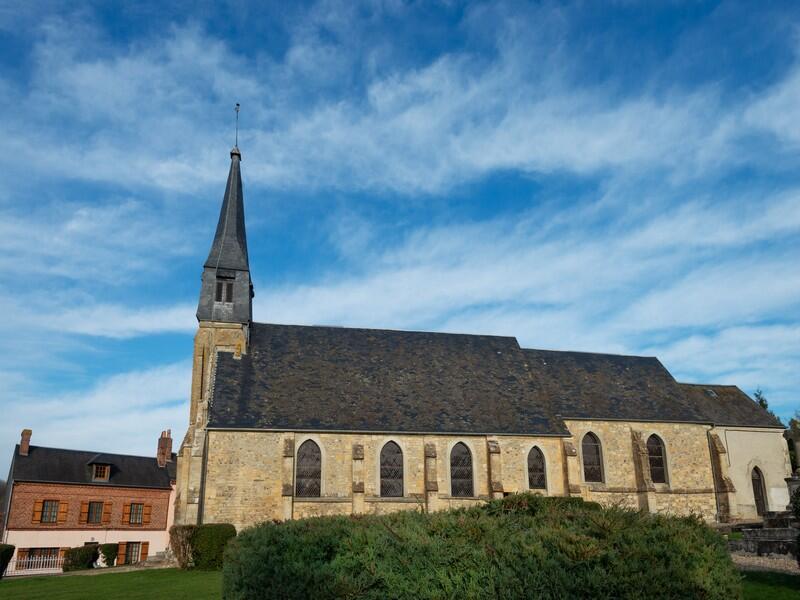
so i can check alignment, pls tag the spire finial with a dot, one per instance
(237, 125)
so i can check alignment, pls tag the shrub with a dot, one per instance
(6, 552)
(795, 503)
(180, 540)
(109, 553)
(80, 558)
(208, 544)
(524, 546)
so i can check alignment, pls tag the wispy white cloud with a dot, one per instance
(124, 412)
(422, 129)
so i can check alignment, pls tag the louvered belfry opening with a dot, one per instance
(308, 480)
(536, 473)
(461, 484)
(657, 459)
(391, 470)
(592, 459)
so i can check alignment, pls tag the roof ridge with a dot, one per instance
(90, 451)
(589, 353)
(386, 330)
(727, 385)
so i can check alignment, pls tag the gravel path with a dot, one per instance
(753, 562)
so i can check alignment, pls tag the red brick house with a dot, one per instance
(57, 499)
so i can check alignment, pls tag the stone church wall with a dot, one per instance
(690, 480)
(250, 475)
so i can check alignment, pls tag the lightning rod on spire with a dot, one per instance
(237, 125)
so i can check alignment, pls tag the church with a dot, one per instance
(291, 421)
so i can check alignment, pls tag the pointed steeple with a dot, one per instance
(226, 294)
(229, 250)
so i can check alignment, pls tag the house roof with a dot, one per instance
(728, 405)
(586, 385)
(343, 379)
(55, 465)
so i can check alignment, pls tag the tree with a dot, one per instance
(792, 435)
(761, 400)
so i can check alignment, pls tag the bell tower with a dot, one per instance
(224, 312)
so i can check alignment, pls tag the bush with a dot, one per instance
(109, 553)
(180, 540)
(80, 558)
(524, 546)
(795, 503)
(6, 552)
(208, 544)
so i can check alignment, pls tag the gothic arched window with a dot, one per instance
(461, 471)
(308, 482)
(391, 470)
(537, 479)
(658, 459)
(592, 459)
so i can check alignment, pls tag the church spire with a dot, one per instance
(229, 249)
(226, 293)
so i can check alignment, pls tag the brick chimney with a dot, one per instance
(25, 442)
(164, 453)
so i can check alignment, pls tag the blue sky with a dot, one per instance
(610, 177)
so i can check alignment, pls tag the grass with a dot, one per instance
(766, 585)
(152, 584)
(173, 584)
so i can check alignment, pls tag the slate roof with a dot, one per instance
(609, 386)
(728, 405)
(55, 465)
(343, 379)
(309, 378)
(229, 249)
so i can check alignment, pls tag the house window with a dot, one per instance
(224, 290)
(592, 459)
(101, 472)
(537, 479)
(657, 458)
(391, 470)
(133, 551)
(461, 471)
(136, 514)
(309, 470)
(95, 513)
(49, 511)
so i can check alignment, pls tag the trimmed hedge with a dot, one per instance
(208, 544)
(523, 546)
(80, 558)
(180, 540)
(109, 553)
(200, 546)
(6, 552)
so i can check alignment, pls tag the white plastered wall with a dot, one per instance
(762, 448)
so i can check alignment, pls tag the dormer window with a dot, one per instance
(224, 290)
(100, 472)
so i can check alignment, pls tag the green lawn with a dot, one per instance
(206, 585)
(760, 585)
(152, 584)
